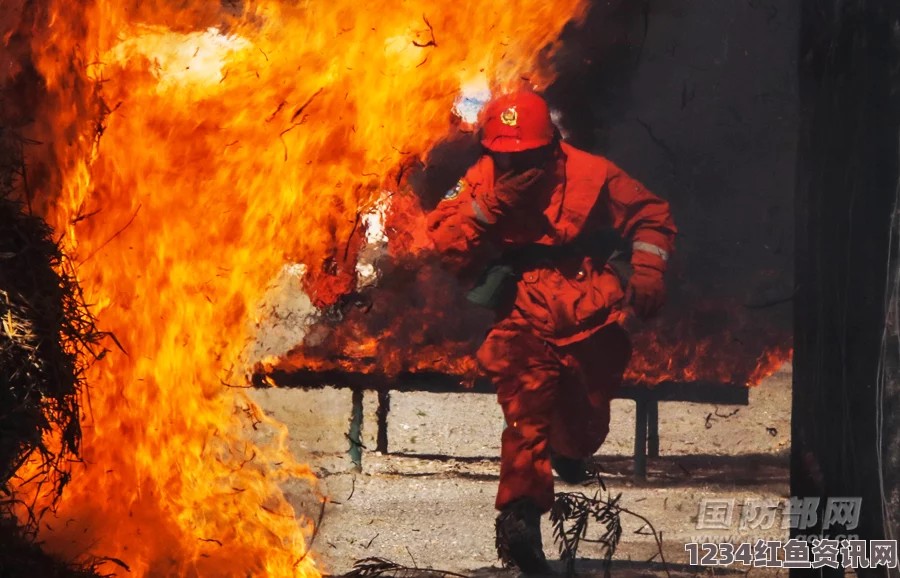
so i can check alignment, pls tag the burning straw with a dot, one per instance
(47, 338)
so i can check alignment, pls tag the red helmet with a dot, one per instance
(516, 122)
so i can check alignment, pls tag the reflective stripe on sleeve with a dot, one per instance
(650, 248)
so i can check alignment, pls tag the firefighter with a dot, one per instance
(579, 243)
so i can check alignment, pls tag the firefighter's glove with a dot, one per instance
(646, 291)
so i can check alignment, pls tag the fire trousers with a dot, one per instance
(554, 398)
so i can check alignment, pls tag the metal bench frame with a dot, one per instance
(646, 433)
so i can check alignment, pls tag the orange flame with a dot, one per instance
(230, 144)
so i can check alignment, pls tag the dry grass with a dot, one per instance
(47, 340)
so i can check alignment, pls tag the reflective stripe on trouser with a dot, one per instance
(551, 396)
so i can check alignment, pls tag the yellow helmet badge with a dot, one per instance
(509, 117)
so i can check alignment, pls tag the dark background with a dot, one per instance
(699, 101)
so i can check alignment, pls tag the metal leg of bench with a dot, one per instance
(640, 440)
(355, 436)
(653, 428)
(384, 407)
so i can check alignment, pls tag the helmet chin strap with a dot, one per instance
(502, 162)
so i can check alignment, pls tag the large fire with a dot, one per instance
(185, 154)
(406, 314)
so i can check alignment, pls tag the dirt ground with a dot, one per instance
(430, 501)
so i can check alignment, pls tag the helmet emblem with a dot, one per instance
(509, 117)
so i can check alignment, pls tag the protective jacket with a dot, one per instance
(563, 295)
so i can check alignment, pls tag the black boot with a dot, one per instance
(519, 537)
(570, 470)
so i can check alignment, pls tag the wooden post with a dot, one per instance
(653, 428)
(640, 440)
(355, 436)
(384, 407)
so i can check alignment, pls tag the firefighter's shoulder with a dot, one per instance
(473, 179)
(587, 169)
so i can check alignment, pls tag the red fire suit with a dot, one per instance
(557, 355)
